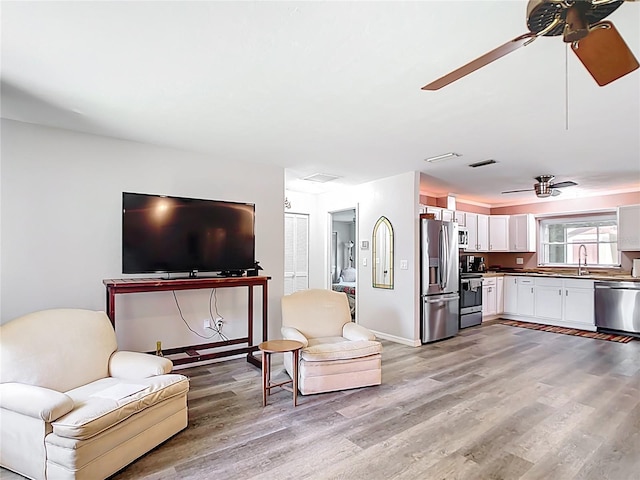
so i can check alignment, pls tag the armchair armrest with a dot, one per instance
(290, 333)
(132, 365)
(34, 401)
(353, 331)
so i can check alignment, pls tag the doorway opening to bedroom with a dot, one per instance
(343, 264)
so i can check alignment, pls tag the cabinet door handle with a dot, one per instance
(531, 289)
(560, 292)
(566, 292)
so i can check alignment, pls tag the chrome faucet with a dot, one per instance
(581, 267)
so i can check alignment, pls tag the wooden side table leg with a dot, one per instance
(295, 354)
(268, 373)
(265, 377)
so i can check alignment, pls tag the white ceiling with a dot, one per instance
(330, 87)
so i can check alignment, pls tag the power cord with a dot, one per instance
(216, 330)
(214, 320)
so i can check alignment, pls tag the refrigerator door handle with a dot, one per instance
(441, 281)
(442, 298)
(445, 257)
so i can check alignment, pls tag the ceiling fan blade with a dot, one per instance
(480, 62)
(517, 191)
(605, 54)
(563, 184)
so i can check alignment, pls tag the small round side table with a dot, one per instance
(279, 346)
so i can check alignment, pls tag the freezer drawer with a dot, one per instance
(439, 317)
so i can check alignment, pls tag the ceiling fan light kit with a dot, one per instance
(597, 44)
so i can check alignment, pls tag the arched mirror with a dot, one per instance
(383, 254)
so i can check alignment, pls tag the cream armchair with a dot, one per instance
(338, 354)
(71, 406)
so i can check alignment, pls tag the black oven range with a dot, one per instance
(470, 299)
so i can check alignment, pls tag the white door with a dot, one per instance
(296, 252)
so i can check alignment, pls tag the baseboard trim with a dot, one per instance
(395, 339)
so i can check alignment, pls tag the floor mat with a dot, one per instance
(569, 331)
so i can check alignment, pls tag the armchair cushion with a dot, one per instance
(33, 401)
(341, 351)
(132, 365)
(98, 409)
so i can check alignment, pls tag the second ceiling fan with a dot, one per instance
(597, 43)
(544, 188)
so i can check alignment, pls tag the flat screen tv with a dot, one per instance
(162, 234)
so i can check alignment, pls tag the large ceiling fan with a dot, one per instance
(544, 188)
(597, 43)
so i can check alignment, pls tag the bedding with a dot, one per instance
(350, 289)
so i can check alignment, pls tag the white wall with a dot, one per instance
(61, 229)
(393, 314)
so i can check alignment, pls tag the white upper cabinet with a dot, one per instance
(478, 227)
(460, 218)
(483, 233)
(499, 233)
(629, 228)
(522, 233)
(447, 215)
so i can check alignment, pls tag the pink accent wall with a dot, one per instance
(571, 205)
(530, 260)
(461, 206)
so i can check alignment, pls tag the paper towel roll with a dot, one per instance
(635, 270)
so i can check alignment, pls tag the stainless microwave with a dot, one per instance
(463, 237)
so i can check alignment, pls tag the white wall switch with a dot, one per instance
(404, 265)
(519, 260)
(364, 261)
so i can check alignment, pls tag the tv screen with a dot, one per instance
(173, 234)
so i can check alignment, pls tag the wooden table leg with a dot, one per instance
(265, 379)
(295, 354)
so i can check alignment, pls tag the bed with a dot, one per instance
(347, 284)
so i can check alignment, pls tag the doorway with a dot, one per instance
(343, 261)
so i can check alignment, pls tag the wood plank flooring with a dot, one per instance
(494, 402)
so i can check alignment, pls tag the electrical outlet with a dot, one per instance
(219, 323)
(207, 323)
(519, 260)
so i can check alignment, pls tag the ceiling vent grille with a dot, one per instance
(483, 163)
(320, 177)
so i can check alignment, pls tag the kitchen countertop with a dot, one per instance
(591, 276)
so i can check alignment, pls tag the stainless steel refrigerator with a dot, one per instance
(439, 281)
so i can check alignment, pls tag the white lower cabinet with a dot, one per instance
(492, 296)
(579, 305)
(566, 302)
(511, 294)
(525, 303)
(489, 297)
(548, 298)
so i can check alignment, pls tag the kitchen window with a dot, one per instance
(561, 238)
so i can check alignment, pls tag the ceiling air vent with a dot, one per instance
(483, 163)
(320, 177)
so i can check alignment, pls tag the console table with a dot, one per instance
(139, 285)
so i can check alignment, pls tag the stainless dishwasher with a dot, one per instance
(617, 306)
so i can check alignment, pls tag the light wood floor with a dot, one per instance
(495, 402)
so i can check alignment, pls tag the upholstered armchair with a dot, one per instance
(338, 354)
(72, 406)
